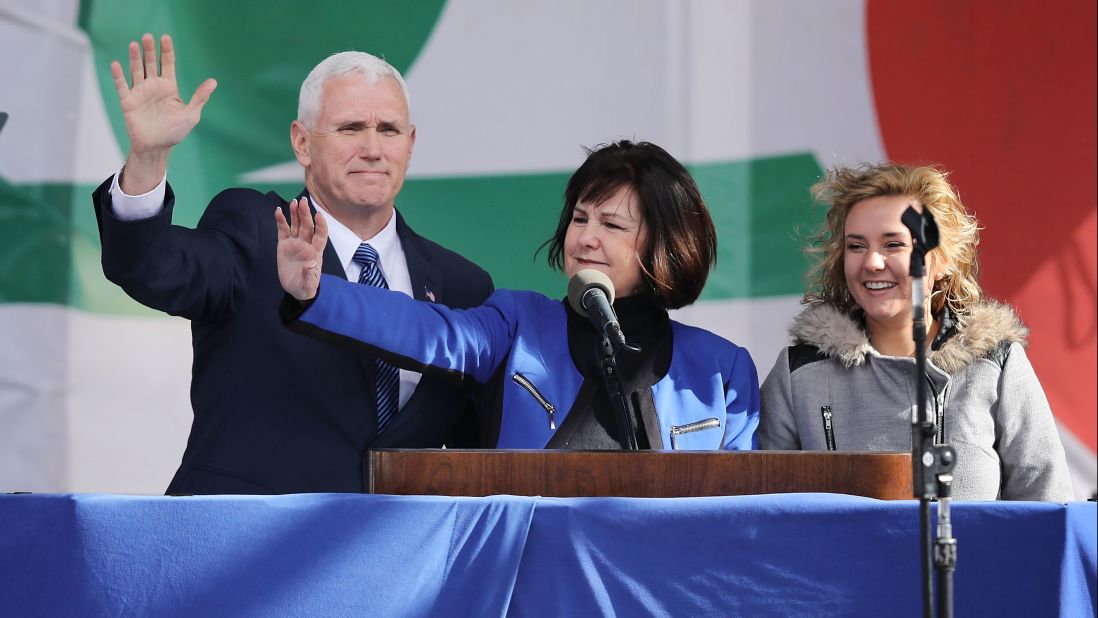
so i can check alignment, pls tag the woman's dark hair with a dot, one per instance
(682, 243)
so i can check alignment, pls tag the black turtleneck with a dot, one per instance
(592, 423)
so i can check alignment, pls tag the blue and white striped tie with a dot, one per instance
(388, 377)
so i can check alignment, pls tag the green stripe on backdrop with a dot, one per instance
(758, 206)
(49, 246)
(762, 209)
(36, 234)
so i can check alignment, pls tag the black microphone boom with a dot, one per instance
(591, 294)
(932, 464)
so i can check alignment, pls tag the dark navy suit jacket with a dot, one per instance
(276, 411)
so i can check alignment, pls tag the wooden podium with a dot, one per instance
(640, 474)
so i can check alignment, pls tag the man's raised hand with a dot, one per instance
(156, 118)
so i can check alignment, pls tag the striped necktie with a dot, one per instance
(387, 376)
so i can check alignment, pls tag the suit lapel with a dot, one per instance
(332, 265)
(427, 283)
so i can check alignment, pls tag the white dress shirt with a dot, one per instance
(394, 266)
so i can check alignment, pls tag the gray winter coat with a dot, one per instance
(832, 391)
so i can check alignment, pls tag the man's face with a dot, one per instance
(357, 151)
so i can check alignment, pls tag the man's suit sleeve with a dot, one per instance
(199, 274)
(482, 286)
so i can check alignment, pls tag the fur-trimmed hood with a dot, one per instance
(978, 333)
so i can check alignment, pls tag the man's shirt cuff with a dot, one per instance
(135, 207)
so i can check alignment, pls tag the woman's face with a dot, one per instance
(877, 260)
(609, 237)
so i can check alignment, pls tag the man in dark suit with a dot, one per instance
(254, 430)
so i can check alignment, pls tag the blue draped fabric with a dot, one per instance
(336, 554)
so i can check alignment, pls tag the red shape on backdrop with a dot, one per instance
(1004, 96)
(1070, 275)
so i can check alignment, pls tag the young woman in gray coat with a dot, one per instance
(847, 382)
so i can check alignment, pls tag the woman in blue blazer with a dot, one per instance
(632, 212)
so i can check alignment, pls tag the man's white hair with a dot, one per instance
(339, 65)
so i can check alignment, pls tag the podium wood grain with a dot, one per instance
(644, 474)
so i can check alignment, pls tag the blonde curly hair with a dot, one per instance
(844, 187)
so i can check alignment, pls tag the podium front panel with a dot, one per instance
(639, 474)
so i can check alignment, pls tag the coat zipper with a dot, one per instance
(678, 430)
(939, 412)
(829, 428)
(525, 383)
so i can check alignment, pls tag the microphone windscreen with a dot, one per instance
(585, 280)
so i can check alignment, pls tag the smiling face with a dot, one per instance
(877, 259)
(609, 237)
(357, 151)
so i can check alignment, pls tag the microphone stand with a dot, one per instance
(932, 465)
(945, 548)
(612, 380)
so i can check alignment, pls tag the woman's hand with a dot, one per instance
(300, 249)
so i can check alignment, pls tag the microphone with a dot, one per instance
(591, 294)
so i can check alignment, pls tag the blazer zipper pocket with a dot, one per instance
(525, 383)
(678, 430)
(829, 427)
